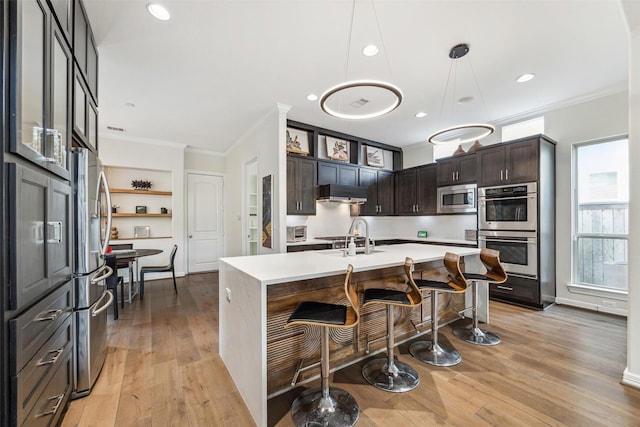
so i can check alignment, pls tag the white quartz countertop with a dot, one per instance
(289, 267)
(430, 240)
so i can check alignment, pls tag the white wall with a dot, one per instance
(156, 155)
(261, 142)
(632, 373)
(202, 160)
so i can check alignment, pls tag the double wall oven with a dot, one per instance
(508, 222)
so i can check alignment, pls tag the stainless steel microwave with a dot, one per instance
(296, 233)
(457, 199)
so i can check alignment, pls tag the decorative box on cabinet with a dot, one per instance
(416, 191)
(457, 170)
(40, 125)
(380, 192)
(301, 185)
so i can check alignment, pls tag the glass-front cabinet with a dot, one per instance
(40, 107)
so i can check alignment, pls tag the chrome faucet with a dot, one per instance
(366, 231)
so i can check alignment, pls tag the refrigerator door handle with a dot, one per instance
(97, 311)
(103, 179)
(108, 271)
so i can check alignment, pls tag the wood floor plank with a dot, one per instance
(559, 367)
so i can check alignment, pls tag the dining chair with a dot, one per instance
(112, 283)
(160, 269)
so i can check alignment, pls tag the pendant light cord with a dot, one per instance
(346, 62)
(384, 48)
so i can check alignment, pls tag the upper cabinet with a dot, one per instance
(380, 192)
(415, 191)
(509, 163)
(39, 98)
(337, 173)
(457, 170)
(84, 50)
(301, 186)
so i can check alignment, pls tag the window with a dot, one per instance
(601, 208)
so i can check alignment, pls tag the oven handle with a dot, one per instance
(527, 240)
(528, 196)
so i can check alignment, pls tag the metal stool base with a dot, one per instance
(437, 355)
(477, 336)
(377, 374)
(339, 410)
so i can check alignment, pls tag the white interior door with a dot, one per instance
(204, 221)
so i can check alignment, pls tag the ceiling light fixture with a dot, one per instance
(158, 11)
(312, 97)
(421, 114)
(361, 99)
(525, 77)
(370, 50)
(460, 134)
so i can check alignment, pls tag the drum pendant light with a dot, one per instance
(364, 98)
(463, 133)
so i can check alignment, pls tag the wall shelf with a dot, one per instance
(126, 214)
(141, 192)
(139, 238)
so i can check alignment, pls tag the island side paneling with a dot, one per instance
(287, 347)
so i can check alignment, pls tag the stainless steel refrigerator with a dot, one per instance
(92, 225)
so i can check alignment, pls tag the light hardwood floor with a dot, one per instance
(558, 367)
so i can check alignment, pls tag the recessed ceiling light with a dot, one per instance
(465, 100)
(525, 77)
(370, 50)
(158, 11)
(312, 97)
(421, 114)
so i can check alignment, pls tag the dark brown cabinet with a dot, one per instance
(337, 173)
(84, 50)
(511, 163)
(457, 170)
(380, 192)
(39, 96)
(85, 115)
(416, 191)
(301, 185)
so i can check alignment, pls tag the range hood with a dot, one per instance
(342, 193)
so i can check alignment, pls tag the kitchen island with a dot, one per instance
(257, 294)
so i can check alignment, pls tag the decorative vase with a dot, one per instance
(459, 151)
(474, 147)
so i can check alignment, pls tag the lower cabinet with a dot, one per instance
(40, 360)
(517, 290)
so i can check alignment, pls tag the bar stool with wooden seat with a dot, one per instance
(326, 406)
(387, 373)
(494, 274)
(434, 352)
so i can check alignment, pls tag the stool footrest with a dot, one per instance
(375, 340)
(303, 369)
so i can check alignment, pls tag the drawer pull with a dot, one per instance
(52, 359)
(58, 398)
(48, 315)
(506, 288)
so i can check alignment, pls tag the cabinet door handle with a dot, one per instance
(505, 288)
(53, 359)
(457, 176)
(453, 176)
(500, 174)
(58, 398)
(506, 175)
(48, 315)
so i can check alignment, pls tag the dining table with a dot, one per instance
(132, 256)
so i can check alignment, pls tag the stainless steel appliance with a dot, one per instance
(92, 224)
(518, 250)
(457, 199)
(296, 233)
(513, 207)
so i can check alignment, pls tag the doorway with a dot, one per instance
(251, 222)
(204, 221)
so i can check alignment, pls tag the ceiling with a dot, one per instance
(215, 69)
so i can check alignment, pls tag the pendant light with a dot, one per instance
(361, 99)
(463, 133)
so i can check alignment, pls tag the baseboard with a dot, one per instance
(592, 307)
(631, 379)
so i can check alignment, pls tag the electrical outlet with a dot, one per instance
(227, 294)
